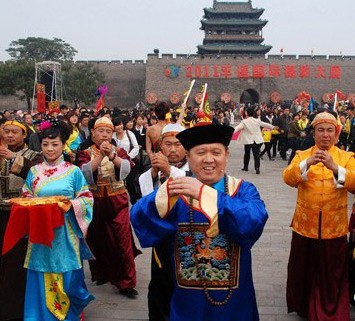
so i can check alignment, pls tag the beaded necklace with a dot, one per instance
(199, 274)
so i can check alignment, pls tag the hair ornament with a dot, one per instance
(55, 122)
(45, 125)
(49, 122)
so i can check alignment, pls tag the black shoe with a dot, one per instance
(244, 169)
(271, 159)
(257, 171)
(129, 293)
(261, 157)
(100, 282)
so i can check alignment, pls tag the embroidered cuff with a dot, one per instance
(80, 211)
(208, 206)
(163, 202)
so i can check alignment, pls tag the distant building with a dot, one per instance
(233, 28)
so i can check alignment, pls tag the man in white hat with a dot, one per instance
(170, 161)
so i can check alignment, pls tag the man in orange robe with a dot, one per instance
(317, 283)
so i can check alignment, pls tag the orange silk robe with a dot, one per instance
(321, 209)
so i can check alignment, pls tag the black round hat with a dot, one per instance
(205, 134)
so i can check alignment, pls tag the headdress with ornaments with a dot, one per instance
(52, 127)
(103, 122)
(48, 122)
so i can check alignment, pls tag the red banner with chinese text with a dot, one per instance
(244, 71)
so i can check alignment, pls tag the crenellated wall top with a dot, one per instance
(103, 62)
(165, 57)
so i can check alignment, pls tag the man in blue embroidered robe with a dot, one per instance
(211, 221)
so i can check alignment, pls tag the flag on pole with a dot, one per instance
(205, 105)
(204, 113)
(341, 96)
(101, 91)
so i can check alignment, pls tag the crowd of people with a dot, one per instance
(162, 172)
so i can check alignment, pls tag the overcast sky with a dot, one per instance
(130, 29)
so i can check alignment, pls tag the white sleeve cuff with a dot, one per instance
(339, 183)
(303, 168)
(125, 168)
(176, 172)
(146, 182)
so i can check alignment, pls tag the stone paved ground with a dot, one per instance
(270, 254)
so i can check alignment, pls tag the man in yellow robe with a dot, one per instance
(317, 283)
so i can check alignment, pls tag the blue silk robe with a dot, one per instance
(62, 262)
(225, 227)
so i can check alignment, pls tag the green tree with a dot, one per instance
(16, 78)
(41, 49)
(80, 82)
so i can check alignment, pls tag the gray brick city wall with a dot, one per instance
(129, 81)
